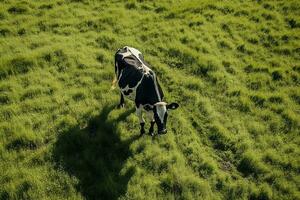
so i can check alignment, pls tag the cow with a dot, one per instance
(139, 83)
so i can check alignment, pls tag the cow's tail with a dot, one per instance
(114, 83)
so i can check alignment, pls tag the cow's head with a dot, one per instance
(160, 111)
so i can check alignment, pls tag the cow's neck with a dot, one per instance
(156, 88)
(151, 89)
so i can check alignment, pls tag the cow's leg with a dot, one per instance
(140, 116)
(121, 104)
(151, 129)
(142, 128)
(152, 122)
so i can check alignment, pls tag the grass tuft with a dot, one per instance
(233, 66)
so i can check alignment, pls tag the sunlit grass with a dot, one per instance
(232, 66)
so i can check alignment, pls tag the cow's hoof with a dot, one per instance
(142, 132)
(151, 133)
(162, 132)
(120, 106)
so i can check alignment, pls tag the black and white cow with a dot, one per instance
(139, 83)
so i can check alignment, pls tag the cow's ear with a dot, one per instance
(148, 107)
(172, 106)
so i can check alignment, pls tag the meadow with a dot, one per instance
(233, 66)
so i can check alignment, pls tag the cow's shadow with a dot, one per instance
(96, 155)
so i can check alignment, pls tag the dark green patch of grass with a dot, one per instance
(106, 42)
(219, 139)
(18, 65)
(276, 75)
(250, 165)
(130, 6)
(232, 66)
(276, 99)
(4, 99)
(296, 98)
(251, 69)
(20, 9)
(46, 6)
(4, 32)
(102, 155)
(259, 101)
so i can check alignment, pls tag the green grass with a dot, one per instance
(233, 66)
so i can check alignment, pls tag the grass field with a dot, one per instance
(234, 67)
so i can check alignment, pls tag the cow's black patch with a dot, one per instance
(131, 71)
(146, 92)
(135, 75)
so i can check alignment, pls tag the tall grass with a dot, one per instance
(232, 66)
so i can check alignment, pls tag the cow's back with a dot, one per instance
(128, 68)
(135, 76)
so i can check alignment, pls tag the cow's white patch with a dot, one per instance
(161, 103)
(149, 115)
(161, 110)
(136, 53)
(120, 75)
(125, 54)
(147, 70)
(132, 95)
(140, 114)
(156, 88)
(116, 66)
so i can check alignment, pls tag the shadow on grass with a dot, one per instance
(96, 155)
